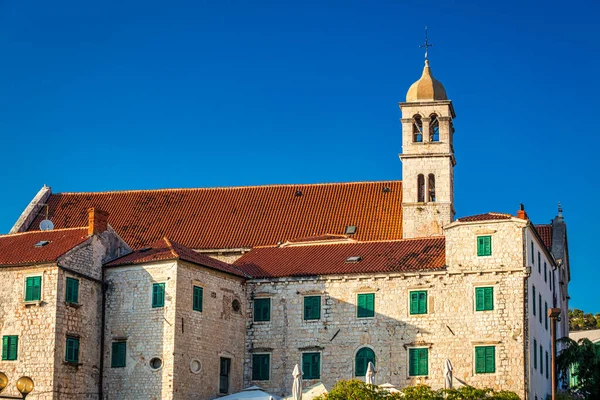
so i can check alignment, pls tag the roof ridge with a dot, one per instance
(171, 248)
(2, 235)
(229, 187)
(361, 242)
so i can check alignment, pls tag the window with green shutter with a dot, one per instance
(484, 246)
(532, 254)
(540, 306)
(366, 305)
(534, 354)
(546, 365)
(197, 301)
(418, 362)
(541, 360)
(119, 354)
(533, 301)
(545, 272)
(311, 365)
(418, 302)
(485, 359)
(362, 359)
(539, 263)
(72, 295)
(262, 309)
(484, 298)
(312, 307)
(260, 367)
(10, 347)
(158, 295)
(72, 351)
(33, 288)
(546, 314)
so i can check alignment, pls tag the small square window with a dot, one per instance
(484, 246)
(260, 367)
(312, 307)
(10, 347)
(366, 305)
(311, 365)
(33, 288)
(262, 310)
(350, 230)
(485, 359)
(418, 362)
(72, 351)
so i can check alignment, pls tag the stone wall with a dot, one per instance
(148, 331)
(34, 324)
(202, 338)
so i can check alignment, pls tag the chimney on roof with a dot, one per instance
(97, 221)
(521, 213)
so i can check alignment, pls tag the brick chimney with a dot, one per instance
(97, 221)
(521, 213)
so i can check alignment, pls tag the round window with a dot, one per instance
(236, 305)
(195, 366)
(155, 363)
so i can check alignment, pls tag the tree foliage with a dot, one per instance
(579, 321)
(358, 390)
(584, 357)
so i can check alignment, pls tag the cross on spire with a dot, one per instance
(426, 45)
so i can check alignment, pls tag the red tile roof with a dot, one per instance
(19, 248)
(381, 256)
(485, 217)
(545, 232)
(164, 249)
(320, 238)
(238, 217)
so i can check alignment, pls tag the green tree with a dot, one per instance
(584, 357)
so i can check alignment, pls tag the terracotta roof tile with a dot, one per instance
(320, 238)
(380, 256)
(545, 232)
(20, 249)
(485, 217)
(164, 249)
(239, 217)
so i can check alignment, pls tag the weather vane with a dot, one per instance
(426, 45)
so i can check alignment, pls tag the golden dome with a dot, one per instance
(427, 88)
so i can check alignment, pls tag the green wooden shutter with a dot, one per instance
(413, 362)
(540, 306)
(5, 347)
(488, 298)
(312, 307)
(158, 295)
(363, 357)
(72, 293)
(546, 365)
(541, 360)
(119, 354)
(414, 302)
(423, 302)
(479, 303)
(197, 300)
(423, 361)
(311, 365)
(480, 246)
(546, 314)
(262, 309)
(72, 351)
(479, 360)
(260, 367)
(366, 305)
(484, 245)
(490, 359)
(306, 366)
(33, 288)
(534, 354)
(534, 301)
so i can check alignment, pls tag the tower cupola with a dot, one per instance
(427, 88)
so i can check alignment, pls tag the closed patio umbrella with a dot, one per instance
(447, 374)
(297, 385)
(370, 377)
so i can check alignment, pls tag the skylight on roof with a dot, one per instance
(353, 259)
(41, 243)
(350, 230)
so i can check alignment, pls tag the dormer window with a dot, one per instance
(350, 230)
(417, 129)
(434, 129)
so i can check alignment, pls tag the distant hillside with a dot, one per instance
(580, 321)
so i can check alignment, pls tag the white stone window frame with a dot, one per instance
(494, 286)
(192, 362)
(270, 365)
(474, 364)
(312, 321)
(42, 283)
(162, 363)
(429, 303)
(480, 234)
(152, 282)
(362, 346)
(262, 296)
(408, 375)
(366, 291)
(320, 364)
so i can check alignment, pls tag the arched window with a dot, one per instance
(431, 188)
(361, 362)
(434, 129)
(417, 129)
(421, 188)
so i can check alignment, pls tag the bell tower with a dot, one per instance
(427, 158)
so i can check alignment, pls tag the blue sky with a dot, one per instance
(138, 95)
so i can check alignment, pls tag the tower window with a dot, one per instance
(434, 129)
(417, 129)
(431, 196)
(421, 188)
